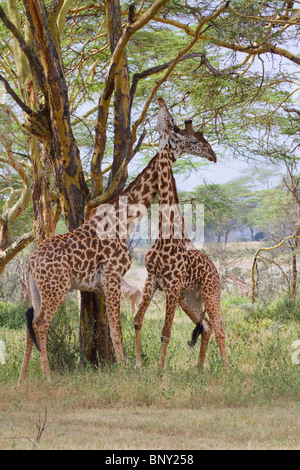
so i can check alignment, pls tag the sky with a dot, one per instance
(219, 173)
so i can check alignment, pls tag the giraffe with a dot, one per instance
(131, 293)
(185, 274)
(84, 260)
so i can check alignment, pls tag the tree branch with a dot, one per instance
(35, 64)
(292, 110)
(7, 255)
(250, 49)
(170, 69)
(107, 194)
(292, 21)
(138, 145)
(295, 235)
(159, 68)
(15, 97)
(118, 47)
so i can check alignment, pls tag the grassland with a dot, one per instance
(256, 405)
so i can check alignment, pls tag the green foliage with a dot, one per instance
(63, 344)
(12, 314)
(259, 351)
(218, 206)
(278, 310)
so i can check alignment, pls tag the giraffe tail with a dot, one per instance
(195, 335)
(29, 317)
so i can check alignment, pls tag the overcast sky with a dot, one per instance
(220, 172)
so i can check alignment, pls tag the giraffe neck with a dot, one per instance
(170, 217)
(141, 191)
(166, 183)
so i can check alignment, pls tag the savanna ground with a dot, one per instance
(256, 405)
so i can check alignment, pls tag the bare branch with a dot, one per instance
(295, 235)
(7, 255)
(292, 110)
(33, 60)
(15, 97)
(138, 145)
(159, 68)
(107, 194)
(252, 49)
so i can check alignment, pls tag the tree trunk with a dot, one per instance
(94, 330)
(64, 155)
(5, 235)
(226, 237)
(95, 341)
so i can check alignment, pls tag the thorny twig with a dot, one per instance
(41, 426)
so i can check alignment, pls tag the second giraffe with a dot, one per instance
(186, 275)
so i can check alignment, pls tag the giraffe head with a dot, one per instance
(182, 141)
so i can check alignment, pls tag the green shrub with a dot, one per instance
(63, 342)
(259, 356)
(12, 315)
(282, 309)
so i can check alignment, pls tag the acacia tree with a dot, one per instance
(219, 210)
(277, 214)
(103, 49)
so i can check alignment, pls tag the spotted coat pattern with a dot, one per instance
(186, 275)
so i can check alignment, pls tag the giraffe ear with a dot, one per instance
(172, 142)
(174, 138)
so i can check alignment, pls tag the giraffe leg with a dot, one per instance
(36, 305)
(27, 354)
(132, 306)
(212, 306)
(111, 286)
(41, 330)
(172, 300)
(205, 337)
(47, 299)
(149, 290)
(192, 306)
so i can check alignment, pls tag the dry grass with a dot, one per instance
(255, 405)
(275, 426)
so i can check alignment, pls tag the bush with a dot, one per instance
(63, 343)
(279, 310)
(12, 315)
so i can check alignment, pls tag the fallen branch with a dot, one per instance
(41, 426)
